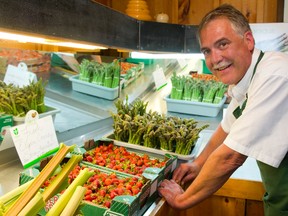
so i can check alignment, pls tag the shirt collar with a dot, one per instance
(238, 91)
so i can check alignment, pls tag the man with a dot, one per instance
(255, 124)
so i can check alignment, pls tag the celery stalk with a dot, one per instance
(14, 193)
(33, 188)
(74, 202)
(59, 179)
(34, 206)
(81, 179)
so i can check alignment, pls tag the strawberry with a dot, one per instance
(107, 182)
(107, 204)
(89, 158)
(135, 190)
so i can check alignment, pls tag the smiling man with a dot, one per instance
(255, 121)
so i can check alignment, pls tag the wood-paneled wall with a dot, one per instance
(235, 198)
(191, 11)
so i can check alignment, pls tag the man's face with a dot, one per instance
(228, 55)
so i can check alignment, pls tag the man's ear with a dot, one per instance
(249, 39)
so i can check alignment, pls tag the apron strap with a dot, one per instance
(238, 111)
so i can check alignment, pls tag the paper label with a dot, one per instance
(159, 78)
(182, 63)
(34, 140)
(19, 76)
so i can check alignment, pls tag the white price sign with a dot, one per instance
(19, 76)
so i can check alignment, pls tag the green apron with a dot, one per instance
(275, 180)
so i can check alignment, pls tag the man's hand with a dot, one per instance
(186, 172)
(169, 190)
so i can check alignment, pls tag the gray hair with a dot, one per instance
(239, 22)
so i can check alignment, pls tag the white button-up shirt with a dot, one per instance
(261, 132)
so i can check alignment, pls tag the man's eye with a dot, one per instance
(205, 52)
(222, 45)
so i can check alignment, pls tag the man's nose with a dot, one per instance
(215, 57)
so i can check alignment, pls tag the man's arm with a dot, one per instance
(188, 171)
(215, 172)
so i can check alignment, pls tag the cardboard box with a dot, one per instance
(154, 174)
(166, 171)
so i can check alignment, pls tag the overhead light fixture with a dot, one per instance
(21, 38)
(31, 39)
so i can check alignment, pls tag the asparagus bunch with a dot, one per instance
(197, 90)
(134, 125)
(18, 101)
(103, 74)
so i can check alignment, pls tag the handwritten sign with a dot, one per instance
(19, 76)
(35, 139)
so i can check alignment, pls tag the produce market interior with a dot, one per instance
(165, 37)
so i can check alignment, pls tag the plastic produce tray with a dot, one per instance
(93, 89)
(50, 111)
(152, 151)
(194, 108)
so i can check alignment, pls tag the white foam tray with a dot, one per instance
(50, 111)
